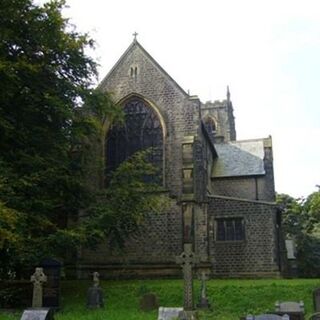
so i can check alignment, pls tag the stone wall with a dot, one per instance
(158, 243)
(251, 188)
(258, 253)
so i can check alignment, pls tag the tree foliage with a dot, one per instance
(301, 222)
(51, 119)
(121, 209)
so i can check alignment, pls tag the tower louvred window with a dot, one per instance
(210, 126)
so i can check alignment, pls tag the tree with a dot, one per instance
(121, 209)
(44, 76)
(50, 123)
(301, 222)
(292, 214)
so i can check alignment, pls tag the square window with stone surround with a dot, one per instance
(230, 229)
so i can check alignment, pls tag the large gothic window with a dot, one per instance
(141, 130)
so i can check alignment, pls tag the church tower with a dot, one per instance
(219, 119)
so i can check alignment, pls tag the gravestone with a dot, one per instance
(315, 316)
(203, 300)
(295, 310)
(51, 291)
(149, 302)
(95, 294)
(291, 258)
(168, 313)
(316, 300)
(316, 305)
(37, 314)
(268, 317)
(38, 278)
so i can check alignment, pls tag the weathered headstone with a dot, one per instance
(149, 302)
(168, 313)
(51, 291)
(315, 316)
(295, 310)
(291, 258)
(316, 300)
(95, 294)
(203, 300)
(37, 314)
(268, 317)
(38, 278)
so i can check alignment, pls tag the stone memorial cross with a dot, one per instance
(96, 280)
(95, 293)
(203, 279)
(187, 259)
(38, 278)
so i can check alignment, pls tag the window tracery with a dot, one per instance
(141, 130)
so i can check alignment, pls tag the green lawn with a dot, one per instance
(230, 298)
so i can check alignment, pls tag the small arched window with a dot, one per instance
(133, 72)
(211, 126)
(141, 130)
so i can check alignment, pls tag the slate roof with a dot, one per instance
(239, 158)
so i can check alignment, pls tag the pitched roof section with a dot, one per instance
(135, 44)
(239, 158)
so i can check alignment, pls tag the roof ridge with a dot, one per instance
(264, 202)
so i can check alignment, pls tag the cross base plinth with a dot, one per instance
(188, 315)
(203, 304)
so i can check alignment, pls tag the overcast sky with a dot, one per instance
(268, 52)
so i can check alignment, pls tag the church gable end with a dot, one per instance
(136, 71)
(138, 75)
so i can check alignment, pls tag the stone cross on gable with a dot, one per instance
(187, 259)
(38, 278)
(135, 36)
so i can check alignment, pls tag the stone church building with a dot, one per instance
(222, 189)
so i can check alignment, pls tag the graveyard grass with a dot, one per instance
(230, 298)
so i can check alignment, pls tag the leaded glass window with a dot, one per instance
(230, 229)
(141, 130)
